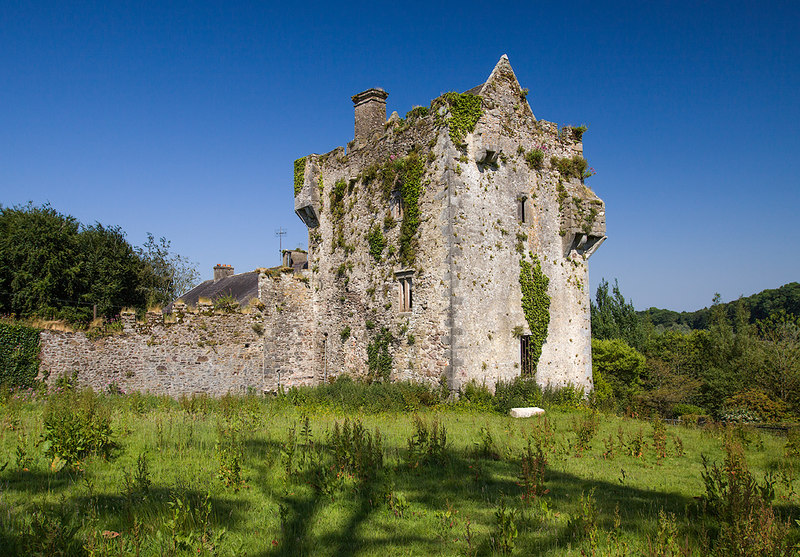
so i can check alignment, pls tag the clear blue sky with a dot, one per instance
(184, 119)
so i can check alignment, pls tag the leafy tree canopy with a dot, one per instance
(52, 266)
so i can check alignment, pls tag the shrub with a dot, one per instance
(19, 355)
(520, 391)
(535, 159)
(531, 475)
(740, 506)
(754, 405)
(477, 395)
(230, 451)
(346, 394)
(427, 445)
(486, 447)
(355, 450)
(505, 531)
(76, 425)
(585, 428)
(620, 365)
(682, 409)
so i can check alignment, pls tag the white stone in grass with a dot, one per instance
(526, 412)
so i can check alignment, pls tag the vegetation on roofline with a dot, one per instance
(464, 112)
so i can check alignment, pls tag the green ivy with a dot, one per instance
(19, 355)
(299, 174)
(465, 110)
(535, 303)
(379, 361)
(376, 242)
(410, 190)
(336, 196)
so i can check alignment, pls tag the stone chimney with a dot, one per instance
(222, 271)
(370, 113)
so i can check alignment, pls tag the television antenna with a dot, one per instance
(280, 233)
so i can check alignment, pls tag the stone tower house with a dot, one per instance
(449, 244)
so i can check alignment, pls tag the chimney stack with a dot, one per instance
(222, 271)
(370, 109)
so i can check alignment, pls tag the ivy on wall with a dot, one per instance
(535, 303)
(19, 355)
(410, 190)
(379, 360)
(338, 191)
(465, 110)
(376, 242)
(299, 174)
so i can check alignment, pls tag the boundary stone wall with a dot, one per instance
(204, 352)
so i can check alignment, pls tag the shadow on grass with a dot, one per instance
(39, 481)
(466, 483)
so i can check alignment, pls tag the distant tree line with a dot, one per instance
(759, 306)
(743, 364)
(54, 267)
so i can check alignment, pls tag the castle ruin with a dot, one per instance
(450, 244)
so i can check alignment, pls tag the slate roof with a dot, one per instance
(243, 287)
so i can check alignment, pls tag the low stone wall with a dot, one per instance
(202, 352)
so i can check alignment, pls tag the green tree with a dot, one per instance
(731, 355)
(620, 366)
(53, 267)
(39, 260)
(110, 271)
(615, 317)
(673, 370)
(780, 374)
(165, 275)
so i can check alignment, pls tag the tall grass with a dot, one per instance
(348, 469)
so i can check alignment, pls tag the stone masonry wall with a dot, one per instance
(291, 354)
(203, 352)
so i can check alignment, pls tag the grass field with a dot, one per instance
(260, 476)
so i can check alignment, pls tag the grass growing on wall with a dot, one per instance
(19, 354)
(299, 174)
(292, 475)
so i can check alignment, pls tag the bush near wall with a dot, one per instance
(19, 355)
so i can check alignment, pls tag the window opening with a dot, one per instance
(527, 364)
(523, 206)
(396, 206)
(406, 297)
